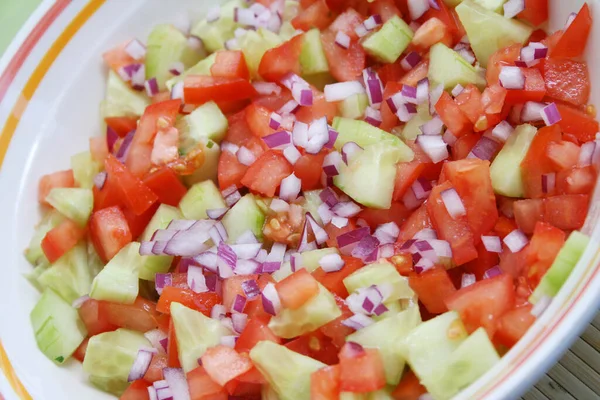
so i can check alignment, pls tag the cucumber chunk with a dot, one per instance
(110, 356)
(385, 336)
(201, 68)
(118, 281)
(388, 43)
(308, 260)
(208, 170)
(412, 129)
(447, 67)
(167, 45)
(206, 122)
(287, 372)
(85, 169)
(243, 216)
(73, 203)
(70, 275)
(34, 253)
(561, 268)
(365, 134)
(354, 106)
(312, 56)
(488, 31)
(312, 201)
(312, 315)
(152, 265)
(255, 44)
(492, 5)
(505, 171)
(369, 177)
(195, 333)
(215, 34)
(376, 274)
(121, 100)
(199, 198)
(57, 327)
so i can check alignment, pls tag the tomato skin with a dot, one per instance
(413, 76)
(266, 173)
(94, 317)
(573, 41)
(577, 180)
(172, 350)
(484, 302)
(536, 163)
(432, 287)
(60, 239)
(386, 8)
(325, 383)
(320, 108)
(258, 118)
(317, 15)
(444, 15)
(536, 12)
(469, 102)
(566, 212)
(109, 232)
(346, 22)
(223, 364)
(409, 388)
(452, 116)
(202, 386)
(230, 170)
(137, 223)
(333, 232)
(431, 32)
(408, 172)
(281, 60)
(199, 89)
(416, 222)
(138, 390)
(135, 194)
(563, 155)
(60, 179)
(463, 145)
(388, 119)
(397, 213)
(296, 289)
(361, 373)
(315, 345)
(567, 80)
(503, 57)
(249, 384)
(577, 123)
(542, 250)
(255, 331)
(534, 89)
(513, 325)
(202, 302)
(528, 213)
(308, 169)
(79, 354)
(230, 64)
(121, 125)
(140, 316)
(333, 280)
(166, 185)
(232, 287)
(155, 371)
(255, 309)
(485, 260)
(344, 64)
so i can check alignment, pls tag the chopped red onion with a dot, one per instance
(291, 154)
(320, 234)
(409, 94)
(421, 188)
(208, 260)
(458, 89)
(543, 303)
(138, 78)
(373, 85)
(333, 134)
(548, 182)
(300, 134)
(422, 91)
(417, 8)
(434, 4)
(484, 149)
(513, 7)
(449, 138)
(502, 131)
(177, 68)
(339, 222)
(111, 138)
(136, 50)
(196, 280)
(227, 323)
(358, 321)
(349, 150)
(550, 114)
(434, 147)
(177, 383)
(586, 154)
(325, 213)
(516, 241)
(493, 244)
(151, 86)
(329, 197)
(373, 22)
(570, 20)
(275, 257)
(77, 303)
(532, 54)
(512, 78)
(251, 289)
(213, 14)
(342, 40)
(196, 44)
(216, 213)
(423, 265)
(246, 238)
(218, 312)
(434, 97)
(228, 341)
(410, 200)
(387, 233)
(361, 30)
(532, 111)
(140, 365)
(453, 203)
(158, 339)
(246, 251)
(161, 281)
(100, 179)
(270, 299)
(331, 163)
(366, 249)
(331, 262)
(124, 149)
(267, 88)
(302, 94)
(346, 209)
(244, 16)
(386, 251)
(406, 112)
(426, 233)
(279, 205)
(290, 187)
(233, 198)
(177, 91)
(373, 116)
(352, 237)
(245, 156)
(239, 303)
(218, 233)
(278, 140)
(318, 135)
(492, 272)
(275, 121)
(410, 60)
(432, 127)
(230, 147)
(226, 260)
(239, 320)
(467, 280)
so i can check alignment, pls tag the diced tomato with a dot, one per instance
(455, 231)
(136, 195)
(315, 345)
(230, 64)
(317, 15)
(139, 155)
(471, 179)
(60, 239)
(281, 60)
(172, 349)
(166, 185)
(513, 264)
(419, 72)
(257, 118)
(266, 173)
(563, 154)
(362, 372)
(255, 331)
(408, 172)
(247, 385)
(431, 32)
(140, 316)
(346, 22)
(138, 390)
(325, 383)
(577, 123)
(202, 387)
(534, 89)
(296, 289)
(538, 35)
(469, 102)
(203, 302)
(386, 8)
(573, 41)
(391, 72)
(577, 180)
(542, 250)
(121, 125)
(99, 149)
(232, 287)
(223, 364)
(137, 223)
(60, 179)
(344, 64)
(155, 370)
(452, 116)
(409, 388)
(443, 13)
(504, 226)
(319, 109)
(566, 212)
(503, 57)
(463, 145)
(513, 325)
(341, 5)
(333, 280)
(308, 169)
(109, 232)
(336, 330)
(567, 80)
(397, 213)
(388, 117)
(536, 163)
(117, 57)
(230, 170)
(333, 232)
(255, 309)
(95, 318)
(536, 12)
(484, 302)
(417, 221)
(79, 354)
(199, 89)
(528, 213)
(485, 260)
(432, 288)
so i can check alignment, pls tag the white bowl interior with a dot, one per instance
(56, 124)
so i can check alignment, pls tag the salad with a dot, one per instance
(321, 199)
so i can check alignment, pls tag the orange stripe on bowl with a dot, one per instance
(14, 118)
(34, 36)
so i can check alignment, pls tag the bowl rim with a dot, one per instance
(552, 332)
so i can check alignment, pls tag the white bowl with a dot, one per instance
(49, 111)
